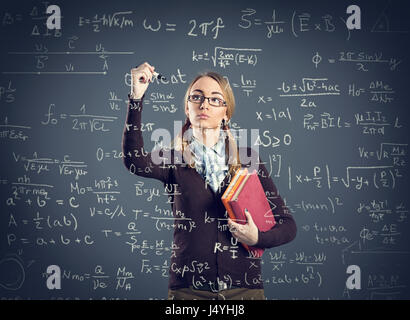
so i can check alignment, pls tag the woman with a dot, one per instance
(208, 261)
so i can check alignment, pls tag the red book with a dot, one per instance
(246, 191)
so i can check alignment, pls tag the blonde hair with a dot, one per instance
(181, 142)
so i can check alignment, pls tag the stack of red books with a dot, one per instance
(245, 191)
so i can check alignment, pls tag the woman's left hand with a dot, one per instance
(246, 233)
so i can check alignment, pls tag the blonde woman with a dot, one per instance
(208, 261)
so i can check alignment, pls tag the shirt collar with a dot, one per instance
(218, 147)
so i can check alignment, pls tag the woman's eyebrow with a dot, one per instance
(214, 92)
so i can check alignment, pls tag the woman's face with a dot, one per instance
(207, 87)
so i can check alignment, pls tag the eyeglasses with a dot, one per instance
(213, 101)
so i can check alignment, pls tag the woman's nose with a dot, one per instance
(203, 103)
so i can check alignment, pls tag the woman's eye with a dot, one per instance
(215, 100)
(196, 97)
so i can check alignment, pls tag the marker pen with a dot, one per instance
(157, 75)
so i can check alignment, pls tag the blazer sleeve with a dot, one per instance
(136, 159)
(284, 230)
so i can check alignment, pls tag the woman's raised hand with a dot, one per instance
(141, 77)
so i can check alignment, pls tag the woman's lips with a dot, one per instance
(203, 116)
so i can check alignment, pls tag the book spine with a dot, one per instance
(237, 184)
(229, 209)
(238, 212)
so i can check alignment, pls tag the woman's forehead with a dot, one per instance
(206, 84)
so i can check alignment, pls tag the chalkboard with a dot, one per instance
(330, 104)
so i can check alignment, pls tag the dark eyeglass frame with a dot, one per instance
(222, 103)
